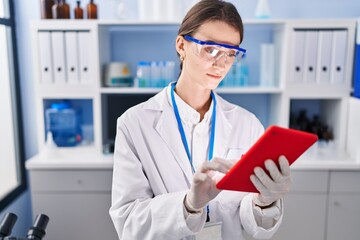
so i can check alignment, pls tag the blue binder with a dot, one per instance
(357, 63)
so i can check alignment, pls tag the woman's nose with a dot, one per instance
(220, 60)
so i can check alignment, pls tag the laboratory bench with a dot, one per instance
(73, 187)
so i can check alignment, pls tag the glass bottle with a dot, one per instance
(66, 9)
(91, 9)
(78, 11)
(262, 9)
(57, 10)
(46, 9)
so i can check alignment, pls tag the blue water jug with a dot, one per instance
(63, 122)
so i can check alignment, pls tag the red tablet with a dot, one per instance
(276, 141)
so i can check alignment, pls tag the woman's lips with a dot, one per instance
(214, 76)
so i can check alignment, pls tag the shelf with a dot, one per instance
(222, 90)
(255, 21)
(71, 158)
(250, 90)
(67, 91)
(130, 90)
(320, 91)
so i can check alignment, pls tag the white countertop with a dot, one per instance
(92, 158)
(70, 158)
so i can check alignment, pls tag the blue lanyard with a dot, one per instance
(183, 137)
(181, 128)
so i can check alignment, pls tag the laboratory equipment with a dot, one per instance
(64, 123)
(117, 74)
(78, 11)
(36, 231)
(91, 10)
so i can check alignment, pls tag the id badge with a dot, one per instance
(211, 231)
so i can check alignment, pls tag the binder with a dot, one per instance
(72, 57)
(339, 49)
(298, 56)
(46, 70)
(58, 49)
(324, 57)
(357, 63)
(311, 51)
(84, 44)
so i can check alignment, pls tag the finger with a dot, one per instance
(219, 165)
(264, 178)
(284, 166)
(229, 163)
(257, 183)
(273, 171)
(201, 178)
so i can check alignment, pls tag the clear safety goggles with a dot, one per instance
(212, 52)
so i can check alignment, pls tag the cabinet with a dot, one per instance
(322, 204)
(305, 207)
(75, 196)
(343, 211)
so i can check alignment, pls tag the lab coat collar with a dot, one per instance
(167, 128)
(223, 127)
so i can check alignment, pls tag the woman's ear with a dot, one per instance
(180, 46)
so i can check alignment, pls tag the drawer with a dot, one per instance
(70, 180)
(309, 181)
(345, 182)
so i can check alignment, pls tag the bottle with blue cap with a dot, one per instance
(64, 123)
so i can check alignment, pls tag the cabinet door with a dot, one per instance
(76, 215)
(344, 212)
(304, 207)
(304, 217)
(343, 217)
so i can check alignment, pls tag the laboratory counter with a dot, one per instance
(73, 185)
(91, 158)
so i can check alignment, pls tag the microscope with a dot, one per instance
(36, 232)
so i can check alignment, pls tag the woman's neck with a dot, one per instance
(196, 97)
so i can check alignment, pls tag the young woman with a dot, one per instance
(172, 149)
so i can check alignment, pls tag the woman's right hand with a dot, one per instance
(203, 188)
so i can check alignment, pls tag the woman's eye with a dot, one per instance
(231, 54)
(212, 51)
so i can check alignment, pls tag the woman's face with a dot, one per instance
(204, 73)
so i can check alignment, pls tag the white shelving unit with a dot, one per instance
(109, 41)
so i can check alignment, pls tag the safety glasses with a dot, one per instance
(212, 52)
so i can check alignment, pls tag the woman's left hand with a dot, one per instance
(271, 188)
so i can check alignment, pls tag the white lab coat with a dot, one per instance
(152, 173)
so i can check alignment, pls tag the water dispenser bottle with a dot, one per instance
(63, 122)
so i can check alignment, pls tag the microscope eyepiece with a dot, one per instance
(7, 224)
(37, 231)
